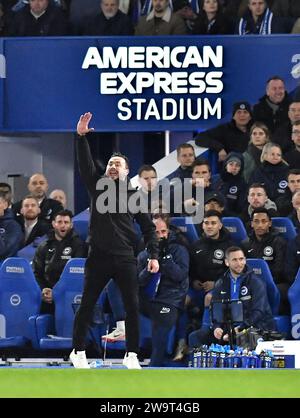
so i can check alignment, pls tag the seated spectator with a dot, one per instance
(11, 236)
(272, 108)
(257, 198)
(187, 10)
(39, 18)
(211, 19)
(185, 157)
(271, 247)
(150, 192)
(283, 134)
(292, 263)
(60, 196)
(232, 184)
(161, 21)
(295, 215)
(284, 203)
(272, 172)
(215, 201)
(259, 136)
(6, 188)
(33, 227)
(230, 136)
(259, 20)
(201, 185)
(292, 157)
(52, 255)
(109, 22)
(38, 186)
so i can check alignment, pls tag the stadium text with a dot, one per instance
(174, 73)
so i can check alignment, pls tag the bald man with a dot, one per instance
(38, 187)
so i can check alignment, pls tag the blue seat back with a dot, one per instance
(20, 297)
(284, 226)
(294, 298)
(261, 269)
(28, 252)
(235, 227)
(81, 226)
(186, 225)
(68, 291)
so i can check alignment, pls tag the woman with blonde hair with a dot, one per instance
(272, 172)
(259, 136)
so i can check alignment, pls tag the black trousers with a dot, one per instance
(99, 269)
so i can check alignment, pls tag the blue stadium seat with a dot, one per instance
(284, 226)
(294, 298)
(67, 297)
(20, 298)
(81, 226)
(186, 225)
(261, 269)
(29, 251)
(235, 227)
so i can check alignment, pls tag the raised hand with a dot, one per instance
(83, 124)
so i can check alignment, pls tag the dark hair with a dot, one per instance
(256, 186)
(119, 154)
(201, 161)
(295, 171)
(3, 195)
(163, 217)
(6, 188)
(64, 212)
(183, 146)
(260, 210)
(212, 212)
(233, 249)
(274, 77)
(146, 167)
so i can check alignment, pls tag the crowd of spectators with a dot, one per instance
(147, 17)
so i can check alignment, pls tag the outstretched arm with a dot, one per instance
(85, 161)
(83, 124)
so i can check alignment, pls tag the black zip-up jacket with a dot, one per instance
(272, 249)
(113, 233)
(207, 257)
(274, 178)
(52, 255)
(226, 136)
(262, 112)
(253, 294)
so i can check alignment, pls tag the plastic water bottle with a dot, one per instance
(96, 364)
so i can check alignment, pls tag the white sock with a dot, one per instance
(121, 326)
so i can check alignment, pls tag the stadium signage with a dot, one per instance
(160, 82)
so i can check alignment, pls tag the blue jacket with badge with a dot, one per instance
(174, 269)
(253, 294)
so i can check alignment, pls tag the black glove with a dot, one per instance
(163, 247)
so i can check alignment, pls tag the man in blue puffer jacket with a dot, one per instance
(164, 302)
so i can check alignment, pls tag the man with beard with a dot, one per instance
(53, 254)
(33, 227)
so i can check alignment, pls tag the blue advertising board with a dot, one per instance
(138, 83)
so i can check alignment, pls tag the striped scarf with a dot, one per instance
(265, 26)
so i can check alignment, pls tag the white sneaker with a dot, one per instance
(131, 361)
(79, 360)
(114, 336)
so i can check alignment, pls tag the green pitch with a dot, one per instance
(163, 383)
